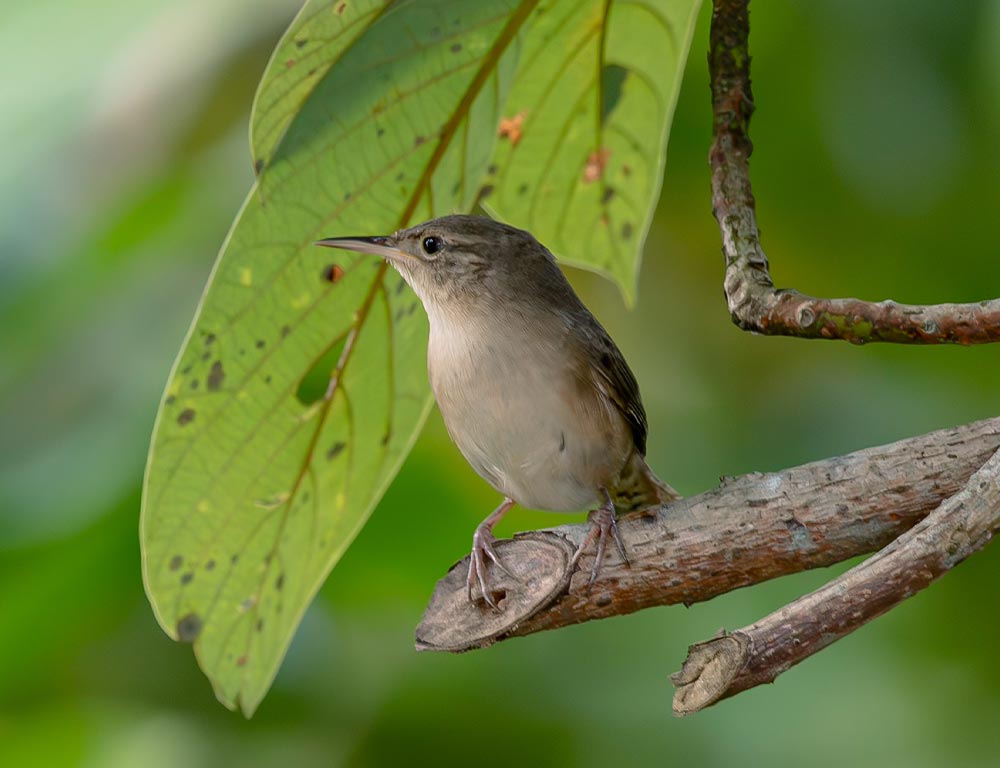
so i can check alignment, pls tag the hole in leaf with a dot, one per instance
(313, 385)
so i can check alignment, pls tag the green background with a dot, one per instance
(124, 158)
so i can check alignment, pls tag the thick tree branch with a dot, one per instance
(730, 663)
(750, 529)
(754, 303)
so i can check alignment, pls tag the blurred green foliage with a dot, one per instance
(123, 160)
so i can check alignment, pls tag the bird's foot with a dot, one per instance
(603, 527)
(483, 550)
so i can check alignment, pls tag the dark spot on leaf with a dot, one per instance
(170, 400)
(258, 165)
(206, 355)
(523, 189)
(626, 170)
(412, 309)
(419, 140)
(188, 628)
(400, 286)
(456, 47)
(614, 78)
(609, 192)
(176, 562)
(186, 416)
(290, 63)
(347, 195)
(260, 625)
(399, 176)
(626, 231)
(300, 43)
(400, 314)
(215, 376)
(486, 191)
(243, 351)
(241, 661)
(267, 379)
(435, 31)
(492, 169)
(193, 384)
(285, 330)
(186, 577)
(186, 369)
(311, 72)
(380, 132)
(260, 343)
(385, 438)
(333, 272)
(209, 338)
(335, 449)
(210, 565)
(279, 582)
(234, 559)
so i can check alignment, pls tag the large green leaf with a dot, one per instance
(301, 384)
(581, 160)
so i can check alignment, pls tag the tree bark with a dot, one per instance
(748, 530)
(754, 303)
(734, 662)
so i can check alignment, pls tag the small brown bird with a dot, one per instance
(532, 390)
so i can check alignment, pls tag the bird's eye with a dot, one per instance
(432, 245)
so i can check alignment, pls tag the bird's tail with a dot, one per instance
(639, 487)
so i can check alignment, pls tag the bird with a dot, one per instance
(532, 390)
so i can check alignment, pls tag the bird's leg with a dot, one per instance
(603, 525)
(482, 548)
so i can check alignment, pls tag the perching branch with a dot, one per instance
(754, 303)
(748, 530)
(730, 663)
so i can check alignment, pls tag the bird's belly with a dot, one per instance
(518, 430)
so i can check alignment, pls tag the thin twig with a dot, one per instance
(754, 303)
(750, 529)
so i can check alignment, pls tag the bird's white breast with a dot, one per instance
(508, 396)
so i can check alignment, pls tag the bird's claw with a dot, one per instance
(483, 548)
(603, 526)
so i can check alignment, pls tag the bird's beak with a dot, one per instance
(377, 246)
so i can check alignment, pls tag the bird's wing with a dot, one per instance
(611, 375)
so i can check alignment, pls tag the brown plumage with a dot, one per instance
(532, 389)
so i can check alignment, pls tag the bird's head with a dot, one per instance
(460, 258)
